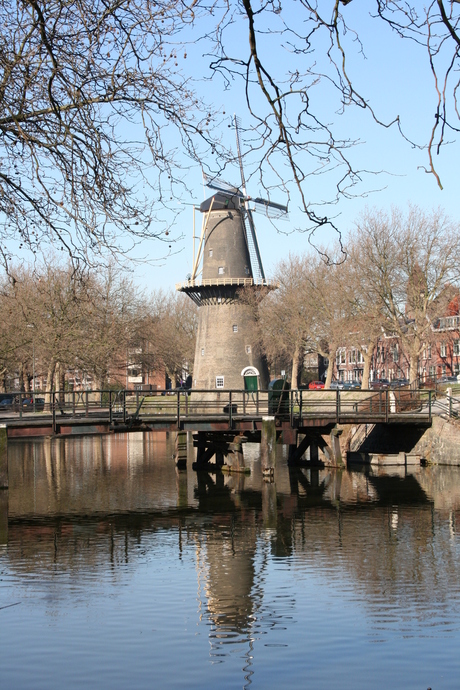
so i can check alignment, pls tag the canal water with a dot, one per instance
(117, 571)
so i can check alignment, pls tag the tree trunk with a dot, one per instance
(60, 381)
(50, 383)
(413, 364)
(21, 377)
(330, 366)
(295, 367)
(367, 368)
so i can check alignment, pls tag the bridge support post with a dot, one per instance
(3, 517)
(268, 445)
(180, 453)
(335, 447)
(235, 458)
(3, 457)
(269, 506)
(314, 457)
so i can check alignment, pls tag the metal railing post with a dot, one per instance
(230, 419)
(257, 401)
(73, 403)
(178, 409)
(124, 406)
(86, 404)
(386, 405)
(429, 406)
(20, 405)
(110, 407)
(337, 405)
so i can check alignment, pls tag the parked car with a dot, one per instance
(28, 403)
(351, 385)
(6, 403)
(377, 384)
(316, 385)
(448, 379)
(399, 383)
(337, 385)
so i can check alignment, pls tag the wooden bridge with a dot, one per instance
(199, 410)
(222, 420)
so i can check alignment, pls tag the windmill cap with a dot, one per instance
(220, 202)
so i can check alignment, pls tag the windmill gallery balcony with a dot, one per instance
(212, 286)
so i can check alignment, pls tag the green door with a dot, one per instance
(250, 383)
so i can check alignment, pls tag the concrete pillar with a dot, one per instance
(3, 457)
(180, 453)
(268, 444)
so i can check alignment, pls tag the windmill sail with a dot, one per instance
(247, 205)
(220, 185)
(253, 245)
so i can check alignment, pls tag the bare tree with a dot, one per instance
(89, 91)
(99, 102)
(407, 261)
(171, 331)
(284, 316)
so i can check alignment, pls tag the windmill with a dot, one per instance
(226, 266)
(269, 208)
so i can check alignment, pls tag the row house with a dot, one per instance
(388, 361)
(439, 358)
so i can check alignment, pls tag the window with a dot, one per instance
(210, 252)
(432, 372)
(219, 381)
(235, 328)
(220, 270)
(219, 300)
(246, 270)
(248, 349)
(457, 347)
(395, 354)
(202, 351)
(443, 369)
(428, 352)
(443, 349)
(341, 357)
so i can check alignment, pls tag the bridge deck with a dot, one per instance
(106, 411)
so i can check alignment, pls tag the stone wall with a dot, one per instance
(440, 444)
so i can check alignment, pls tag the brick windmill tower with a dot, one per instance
(227, 355)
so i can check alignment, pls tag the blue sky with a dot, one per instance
(395, 78)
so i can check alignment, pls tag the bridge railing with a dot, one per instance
(128, 405)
